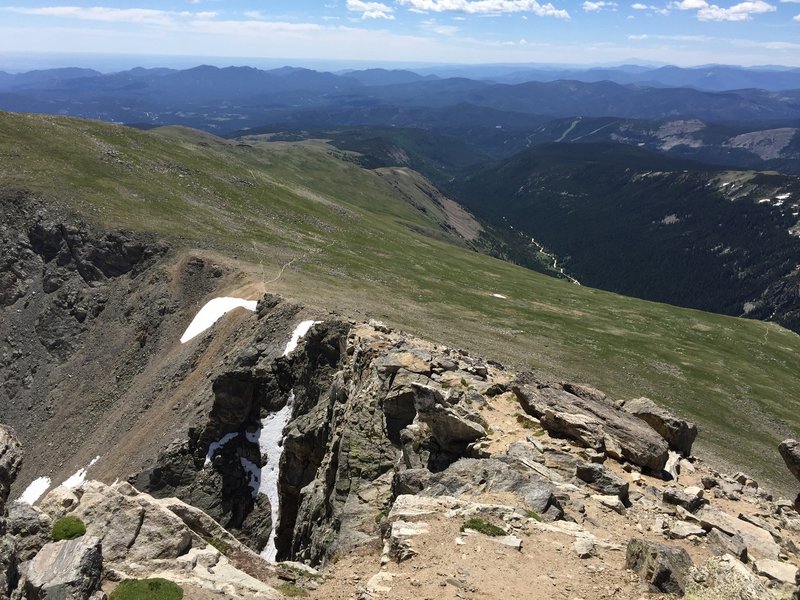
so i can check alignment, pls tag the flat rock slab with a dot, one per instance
(758, 541)
(777, 571)
(682, 529)
(592, 423)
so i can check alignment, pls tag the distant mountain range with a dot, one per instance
(235, 98)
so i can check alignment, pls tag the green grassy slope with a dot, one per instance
(361, 249)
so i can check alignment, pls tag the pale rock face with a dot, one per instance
(131, 528)
(69, 570)
(777, 571)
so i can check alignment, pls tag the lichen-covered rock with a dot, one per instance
(725, 578)
(665, 568)
(678, 433)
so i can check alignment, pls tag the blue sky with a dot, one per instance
(684, 32)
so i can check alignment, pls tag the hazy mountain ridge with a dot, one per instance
(238, 97)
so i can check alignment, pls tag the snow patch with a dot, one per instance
(764, 201)
(35, 490)
(212, 312)
(77, 478)
(785, 196)
(212, 449)
(271, 444)
(299, 332)
(500, 296)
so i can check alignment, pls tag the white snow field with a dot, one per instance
(212, 312)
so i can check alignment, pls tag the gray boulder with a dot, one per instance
(678, 433)
(603, 480)
(494, 475)
(68, 570)
(451, 430)
(9, 564)
(592, 423)
(665, 568)
(790, 451)
(721, 543)
(30, 527)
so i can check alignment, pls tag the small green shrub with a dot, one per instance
(483, 527)
(68, 528)
(533, 515)
(291, 590)
(525, 422)
(147, 589)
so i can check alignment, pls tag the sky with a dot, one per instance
(409, 32)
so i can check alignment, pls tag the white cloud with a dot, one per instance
(113, 15)
(654, 9)
(797, 18)
(486, 7)
(743, 11)
(371, 10)
(672, 38)
(590, 6)
(689, 4)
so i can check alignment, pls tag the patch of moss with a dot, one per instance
(483, 527)
(147, 589)
(221, 546)
(68, 528)
(291, 590)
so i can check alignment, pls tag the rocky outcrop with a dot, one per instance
(68, 570)
(29, 527)
(790, 451)
(10, 462)
(665, 568)
(591, 422)
(678, 433)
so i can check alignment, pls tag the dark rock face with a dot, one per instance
(601, 478)
(679, 434)
(10, 462)
(790, 451)
(30, 527)
(678, 498)
(665, 568)
(592, 423)
(721, 543)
